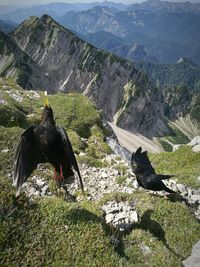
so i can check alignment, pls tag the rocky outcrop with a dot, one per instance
(16, 64)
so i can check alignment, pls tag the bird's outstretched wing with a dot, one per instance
(27, 157)
(70, 153)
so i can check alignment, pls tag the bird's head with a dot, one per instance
(47, 114)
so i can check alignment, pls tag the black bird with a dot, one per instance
(145, 173)
(45, 143)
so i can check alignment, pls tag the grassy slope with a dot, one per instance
(183, 163)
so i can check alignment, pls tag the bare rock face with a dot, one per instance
(16, 64)
(123, 93)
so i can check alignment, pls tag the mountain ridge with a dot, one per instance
(73, 65)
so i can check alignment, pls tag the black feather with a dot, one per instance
(45, 143)
(145, 173)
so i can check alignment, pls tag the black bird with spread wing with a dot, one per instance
(145, 173)
(45, 143)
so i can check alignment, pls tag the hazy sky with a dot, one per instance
(30, 2)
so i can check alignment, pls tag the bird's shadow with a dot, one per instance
(20, 206)
(116, 239)
(152, 226)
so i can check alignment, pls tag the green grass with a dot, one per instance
(183, 163)
(52, 232)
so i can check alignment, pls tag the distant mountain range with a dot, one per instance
(7, 26)
(56, 10)
(165, 31)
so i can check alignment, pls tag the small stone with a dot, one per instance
(189, 192)
(120, 216)
(145, 249)
(195, 198)
(104, 175)
(6, 150)
(44, 190)
(133, 216)
(40, 182)
(198, 178)
(109, 218)
(181, 188)
(66, 227)
(135, 184)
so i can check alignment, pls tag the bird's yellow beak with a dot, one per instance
(46, 101)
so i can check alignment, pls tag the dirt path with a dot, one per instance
(132, 141)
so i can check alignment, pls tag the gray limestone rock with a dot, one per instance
(196, 148)
(194, 259)
(195, 141)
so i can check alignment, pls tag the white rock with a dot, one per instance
(135, 184)
(44, 190)
(40, 182)
(196, 149)
(109, 217)
(120, 216)
(198, 178)
(6, 150)
(195, 198)
(181, 188)
(133, 216)
(104, 175)
(195, 141)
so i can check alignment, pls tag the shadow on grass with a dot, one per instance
(83, 215)
(153, 227)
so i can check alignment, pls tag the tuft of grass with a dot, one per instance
(183, 163)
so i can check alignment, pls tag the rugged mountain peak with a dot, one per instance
(69, 64)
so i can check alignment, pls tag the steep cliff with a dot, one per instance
(16, 64)
(124, 94)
